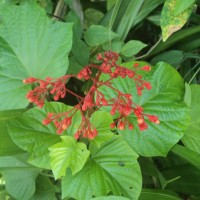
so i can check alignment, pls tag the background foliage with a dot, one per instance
(53, 38)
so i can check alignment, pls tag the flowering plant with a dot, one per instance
(82, 117)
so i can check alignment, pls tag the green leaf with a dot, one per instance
(156, 194)
(28, 132)
(115, 45)
(37, 47)
(68, 153)
(4, 195)
(101, 121)
(112, 168)
(8, 147)
(173, 57)
(191, 138)
(45, 190)
(170, 22)
(164, 100)
(124, 15)
(132, 47)
(181, 6)
(180, 36)
(98, 35)
(92, 16)
(147, 7)
(187, 154)
(20, 183)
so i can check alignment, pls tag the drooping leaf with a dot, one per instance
(132, 47)
(28, 132)
(98, 35)
(68, 153)
(191, 138)
(164, 100)
(170, 22)
(112, 168)
(37, 47)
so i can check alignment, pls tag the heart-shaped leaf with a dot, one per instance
(164, 100)
(28, 132)
(112, 168)
(68, 153)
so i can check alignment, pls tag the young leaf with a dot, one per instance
(37, 47)
(170, 22)
(28, 132)
(164, 100)
(112, 168)
(132, 47)
(68, 153)
(98, 35)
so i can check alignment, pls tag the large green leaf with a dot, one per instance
(68, 153)
(191, 138)
(8, 147)
(170, 22)
(19, 176)
(31, 45)
(165, 100)
(31, 135)
(20, 183)
(113, 168)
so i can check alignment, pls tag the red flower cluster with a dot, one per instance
(121, 104)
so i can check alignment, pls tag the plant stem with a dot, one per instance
(60, 9)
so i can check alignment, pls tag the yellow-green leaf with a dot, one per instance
(170, 21)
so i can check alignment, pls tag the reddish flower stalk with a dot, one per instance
(122, 104)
